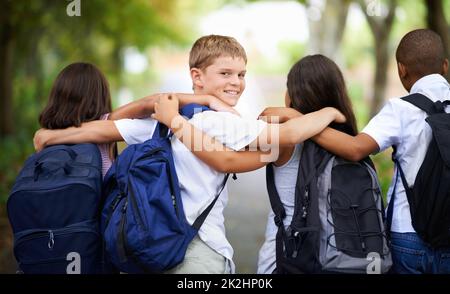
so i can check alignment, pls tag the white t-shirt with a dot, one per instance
(285, 177)
(198, 182)
(402, 124)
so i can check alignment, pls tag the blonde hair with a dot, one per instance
(206, 49)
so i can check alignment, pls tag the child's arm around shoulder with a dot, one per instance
(298, 129)
(144, 107)
(207, 149)
(98, 131)
(353, 148)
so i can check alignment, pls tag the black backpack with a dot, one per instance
(429, 197)
(338, 221)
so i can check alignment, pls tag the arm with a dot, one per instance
(353, 148)
(212, 152)
(204, 147)
(279, 114)
(298, 129)
(144, 107)
(98, 131)
(273, 136)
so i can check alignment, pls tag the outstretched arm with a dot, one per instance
(298, 129)
(98, 131)
(289, 133)
(353, 148)
(144, 107)
(207, 149)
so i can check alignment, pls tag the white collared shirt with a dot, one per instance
(402, 124)
(198, 182)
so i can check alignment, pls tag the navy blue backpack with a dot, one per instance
(54, 210)
(143, 221)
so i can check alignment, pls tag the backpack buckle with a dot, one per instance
(278, 221)
(439, 106)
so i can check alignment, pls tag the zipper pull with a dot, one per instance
(51, 240)
(305, 203)
(124, 207)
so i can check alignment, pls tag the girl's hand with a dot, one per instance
(338, 116)
(278, 114)
(166, 109)
(40, 139)
(218, 105)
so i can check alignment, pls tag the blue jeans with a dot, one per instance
(410, 255)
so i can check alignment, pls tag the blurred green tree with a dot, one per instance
(380, 17)
(437, 22)
(38, 38)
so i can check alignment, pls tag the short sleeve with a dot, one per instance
(135, 131)
(385, 127)
(231, 130)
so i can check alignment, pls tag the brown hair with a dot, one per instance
(315, 82)
(422, 52)
(206, 49)
(79, 94)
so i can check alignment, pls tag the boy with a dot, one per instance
(421, 65)
(217, 67)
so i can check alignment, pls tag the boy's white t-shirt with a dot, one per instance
(402, 124)
(199, 183)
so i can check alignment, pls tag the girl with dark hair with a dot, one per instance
(80, 93)
(313, 83)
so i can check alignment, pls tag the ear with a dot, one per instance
(197, 77)
(402, 71)
(445, 67)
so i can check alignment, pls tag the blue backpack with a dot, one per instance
(54, 210)
(143, 221)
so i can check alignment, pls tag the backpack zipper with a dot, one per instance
(172, 188)
(51, 233)
(305, 203)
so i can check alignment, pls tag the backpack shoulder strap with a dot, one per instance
(422, 102)
(201, 218)
(189, 110)
(274, 197)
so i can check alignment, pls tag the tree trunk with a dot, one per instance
(380, 79)
(6, 56)
(381, 29)
(326, 34)
(436, 21)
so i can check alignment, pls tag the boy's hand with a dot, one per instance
(166, 109)
(39, 139)
(278, 114)
(218, 105)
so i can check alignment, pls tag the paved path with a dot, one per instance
(246, 217)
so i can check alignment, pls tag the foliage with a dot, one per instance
(46, 39)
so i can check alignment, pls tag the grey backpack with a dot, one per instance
(338, 223)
